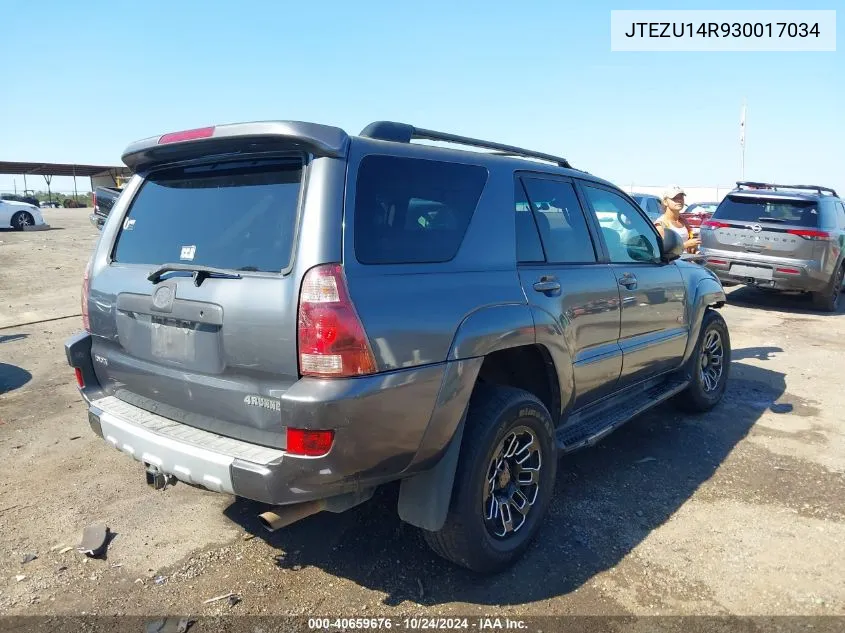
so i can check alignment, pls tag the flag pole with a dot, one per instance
(742, 139)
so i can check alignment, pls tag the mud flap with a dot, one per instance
(424, 498)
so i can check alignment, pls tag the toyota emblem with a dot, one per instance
(163, 298)
(756, 228)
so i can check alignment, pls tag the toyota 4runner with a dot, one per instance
(286, 313)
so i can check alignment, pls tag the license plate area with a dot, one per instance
(173, 339)
(754, 272)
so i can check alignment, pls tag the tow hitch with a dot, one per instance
(157, 479)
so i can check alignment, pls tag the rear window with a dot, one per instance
(747, 209)
(233, 215)
(413, 211)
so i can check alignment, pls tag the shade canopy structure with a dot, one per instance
(109, 175)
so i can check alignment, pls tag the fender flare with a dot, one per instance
(425, 496)
(708, 293)
(493, 328)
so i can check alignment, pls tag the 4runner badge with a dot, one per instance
(264, 403)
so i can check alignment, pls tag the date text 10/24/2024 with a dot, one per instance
(417, 624)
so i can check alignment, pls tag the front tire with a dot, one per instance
(709, 366)
(828, 299)
(504, 480)
(22, 219)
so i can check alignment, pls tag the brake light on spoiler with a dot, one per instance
(186, 135)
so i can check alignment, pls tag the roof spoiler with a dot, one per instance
(768, 185)
(405, 133)
(236, 139)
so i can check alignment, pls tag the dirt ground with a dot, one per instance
(740, 511)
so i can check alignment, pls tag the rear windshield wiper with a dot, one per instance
(771, 220)
(201, 273)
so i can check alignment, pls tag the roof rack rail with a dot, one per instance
(768, 185)
(405, 133)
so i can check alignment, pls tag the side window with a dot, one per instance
(629, 236)
(560, 220)
(413, 211)
(528, 246)
(654, 208)
(829, 216)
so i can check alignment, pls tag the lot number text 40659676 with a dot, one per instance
(417, 623)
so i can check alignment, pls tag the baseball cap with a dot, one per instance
(673, 190)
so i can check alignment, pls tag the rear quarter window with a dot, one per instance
(776, 210)
(413, 211)
(231, 215)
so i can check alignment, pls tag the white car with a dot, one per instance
(18, 215)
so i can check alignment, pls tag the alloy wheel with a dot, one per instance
(711, 364)
(512, 484)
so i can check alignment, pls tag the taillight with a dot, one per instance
(714, 224)
(94, 200)
(810, 234)
(719, 262)
(80, 381)
(309, 443)
(186, 135)
(86, 291)
(332, 341)
(788, 271)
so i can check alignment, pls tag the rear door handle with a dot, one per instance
(546, 285)
(628, 281)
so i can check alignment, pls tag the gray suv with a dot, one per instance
(779, 237)
(289, 314)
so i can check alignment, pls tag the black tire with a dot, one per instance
(704, 392)
(465, 539)
(828, 299)
(22, 219)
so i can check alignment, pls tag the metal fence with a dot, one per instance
(695, 193)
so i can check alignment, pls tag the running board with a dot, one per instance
(589, 426)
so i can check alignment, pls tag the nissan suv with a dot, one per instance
(779, 237)
(286, 313)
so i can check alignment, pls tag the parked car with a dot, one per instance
(392, 321)
(104, 199)
(26, 199)
(19, 215)
(697, 213)
(650, 203)
(779, 237)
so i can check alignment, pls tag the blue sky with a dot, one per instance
(89, 77)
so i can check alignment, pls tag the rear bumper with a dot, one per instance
(764, 272)
(384, 430)
(198, 457)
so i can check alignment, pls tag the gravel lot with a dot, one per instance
(741, 511)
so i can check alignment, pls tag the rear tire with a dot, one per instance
(504, 426)
(22, 219)
(709, 366)
(828, 299)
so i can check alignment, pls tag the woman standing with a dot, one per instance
(672, 201)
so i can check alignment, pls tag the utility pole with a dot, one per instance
(742, 139)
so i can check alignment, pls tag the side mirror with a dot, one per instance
(671, 246)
